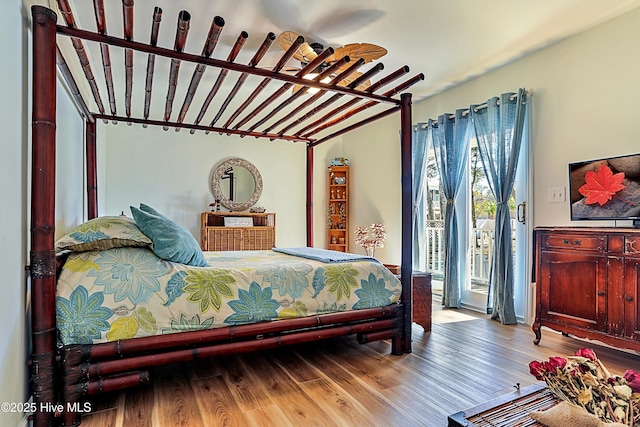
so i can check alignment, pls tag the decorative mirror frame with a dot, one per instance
(217, 177)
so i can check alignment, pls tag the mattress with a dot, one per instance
(129, 292)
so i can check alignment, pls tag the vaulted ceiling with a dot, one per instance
(450, 41)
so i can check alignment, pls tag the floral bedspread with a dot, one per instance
(129, 292)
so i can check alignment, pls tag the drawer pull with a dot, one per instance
(600, 293)
(575, 242)
(629, 298)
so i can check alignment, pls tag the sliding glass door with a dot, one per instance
(477, 231)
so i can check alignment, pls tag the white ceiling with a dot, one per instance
(450, 41)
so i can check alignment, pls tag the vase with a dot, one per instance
(371, 252)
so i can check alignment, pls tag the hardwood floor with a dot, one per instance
(465, 360)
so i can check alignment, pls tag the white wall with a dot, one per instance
(13, 251)
(15, 119)
(171, 171)
(585, 96)
(585, 104)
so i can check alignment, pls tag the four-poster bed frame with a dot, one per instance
(65, 374)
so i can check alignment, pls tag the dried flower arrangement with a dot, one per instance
(370, 238)
(583, 380)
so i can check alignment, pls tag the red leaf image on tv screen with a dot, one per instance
(601, 186)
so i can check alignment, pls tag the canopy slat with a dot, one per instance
(182, 30)
(242, 38)
(316, 96)
(369, 104)
(212, 40)
(67, 15)
(300, 92)
(315, 63)
(243, 77)
(101, 24)
(289, 114)
(151, 60)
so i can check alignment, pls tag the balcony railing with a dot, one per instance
(480, 253)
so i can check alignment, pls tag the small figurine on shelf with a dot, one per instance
(339, 161)
(334, 240)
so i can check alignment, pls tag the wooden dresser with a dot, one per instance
(588, 283)
(214, 236)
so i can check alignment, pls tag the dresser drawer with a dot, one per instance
(576, 242)
(632, 245)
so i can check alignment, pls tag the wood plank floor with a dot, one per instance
(466, 360)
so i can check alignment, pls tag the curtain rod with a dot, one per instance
(481, 106)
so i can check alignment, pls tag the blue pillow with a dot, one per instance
(171, 241)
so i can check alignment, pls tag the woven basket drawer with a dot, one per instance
(258, 238)
(225, 239)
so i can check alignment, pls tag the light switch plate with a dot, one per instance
(556, 194)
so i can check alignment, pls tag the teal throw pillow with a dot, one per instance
(171, 241)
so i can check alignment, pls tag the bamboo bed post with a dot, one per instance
(92, 180)
(43, 263)
(310, 195)
(406, 269)
(67, 374)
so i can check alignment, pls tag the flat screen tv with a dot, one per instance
(606, 189)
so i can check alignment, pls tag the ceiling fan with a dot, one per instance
(307, 52)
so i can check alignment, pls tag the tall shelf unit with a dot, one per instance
(338, 209)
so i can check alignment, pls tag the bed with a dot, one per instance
(92, 334)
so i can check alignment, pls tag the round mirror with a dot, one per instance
(237, 184)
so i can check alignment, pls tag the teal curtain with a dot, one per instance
(451, 146)
(419, 149)
(498, 130)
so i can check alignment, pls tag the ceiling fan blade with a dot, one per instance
(367, 51)
(304, 53)
(286, 39)
(362, 86)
